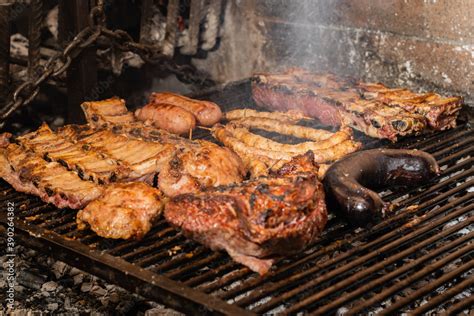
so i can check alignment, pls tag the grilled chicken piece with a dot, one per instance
(107, 112)
(53, 183)
(200, 166)
(256, 220)
(125, 210)
(143, 158)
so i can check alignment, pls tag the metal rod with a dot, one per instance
(34, 35)
(191, 46)
(431, 286)
(365, 288)
(4, 52)
(171, 28)
(465, 303)
(437, 300)
(82, 73)
(361, 260)
(182, 269)
(201, 278)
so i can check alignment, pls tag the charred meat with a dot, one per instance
(370, 108)
(28, 172)
(106, 112)
(256, 220)
(107, 151)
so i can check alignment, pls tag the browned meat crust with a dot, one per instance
(205, 165)
(143, 158)
(124, 210)
(106, 112)
(371, 108)
(256, 220)
(90, 164)
(440, 112)
(53, 183)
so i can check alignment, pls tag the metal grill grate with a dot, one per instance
(419, 259)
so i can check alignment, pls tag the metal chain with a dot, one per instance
(60, 62)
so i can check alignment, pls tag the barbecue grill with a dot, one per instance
(419, 259)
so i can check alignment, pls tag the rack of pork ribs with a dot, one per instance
(371, 108)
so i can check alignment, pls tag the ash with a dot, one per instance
(45, 285)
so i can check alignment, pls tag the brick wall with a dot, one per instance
(412, 43)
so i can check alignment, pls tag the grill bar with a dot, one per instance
(397, 287)
(435, 284)
(398, 272)
(364, 273)
(435, 301)
(468, 302)
(428, 143)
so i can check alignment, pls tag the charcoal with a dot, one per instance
(31, 280)
(53, 306)
(49, 286)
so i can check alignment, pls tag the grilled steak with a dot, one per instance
(256, 220)
(125, 210)
(53, 183)
(371, 108)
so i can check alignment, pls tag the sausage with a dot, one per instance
(207, 113)
(287, 117)
(169, 117)
(288, 129)
(261, 142)
(348, 181)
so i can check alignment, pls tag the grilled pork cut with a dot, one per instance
(107, 112)
(256, 220)
(143, 158)
(96, 166)
(27, 172)
(370, 108)
(124, 210)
